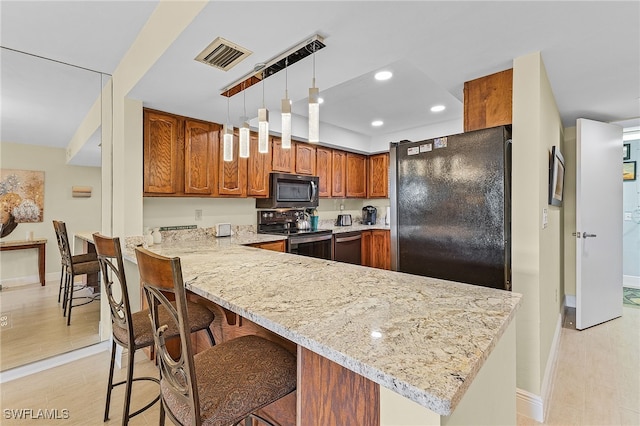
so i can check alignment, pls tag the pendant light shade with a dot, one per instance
(263, 130)
(244, 130)
(263, 125)
(227, 147)
(244, 140)
(314, 115)
(286, 124)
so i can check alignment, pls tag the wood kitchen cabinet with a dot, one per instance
(200, 157)
(232, 179)
(284, 160)
(488, 101)
(258, 169)
(323, 170)
(376, 248)
(305, 159)
(378, 176)
(161, 153)
(356, 175)
(338, 173)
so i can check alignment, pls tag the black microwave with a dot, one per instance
(290, 191)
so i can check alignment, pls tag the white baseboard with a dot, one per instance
(570, 300)
(529, 404)
(55, 361)
(631, 281)
(537, 406)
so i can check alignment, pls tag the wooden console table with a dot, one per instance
(30, 244)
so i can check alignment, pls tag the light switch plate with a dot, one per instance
(628, 216)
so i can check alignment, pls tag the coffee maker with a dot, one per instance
(369, 215)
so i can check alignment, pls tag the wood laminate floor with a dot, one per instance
(35, 328)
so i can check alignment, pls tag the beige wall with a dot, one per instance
(80, 214)
(537, 251)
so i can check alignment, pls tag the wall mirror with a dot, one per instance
(44, 103)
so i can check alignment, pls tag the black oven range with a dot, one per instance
(300, 239)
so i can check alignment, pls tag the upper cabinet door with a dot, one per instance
(339, 174)
(160, 153)
(200, 162)
(259, 168)
(378, 182)
(323, 169)
(488, 101)
(283, 159)
(232, 179)
(356, 175)
(305, 159)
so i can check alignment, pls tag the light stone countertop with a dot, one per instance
(423, 338)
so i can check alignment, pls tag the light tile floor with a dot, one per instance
(597, 378)
(597, 382)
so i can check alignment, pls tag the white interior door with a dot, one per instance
(598, 223)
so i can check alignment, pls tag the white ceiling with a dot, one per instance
(591, 51)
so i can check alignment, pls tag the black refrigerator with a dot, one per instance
(451, 207)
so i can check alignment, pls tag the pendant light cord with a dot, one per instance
(286, 78)
(314, 65)
(244, 103)
(228, 116)
(263, 77)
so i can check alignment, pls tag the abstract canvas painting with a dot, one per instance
(21, 198)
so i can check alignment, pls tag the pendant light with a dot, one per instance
(263, 125)
(244, 130)
(286, 111)
(314, 106)
(227, 131)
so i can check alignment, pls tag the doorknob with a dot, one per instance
(585, 235)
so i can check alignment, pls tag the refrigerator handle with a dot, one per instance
(393, 197)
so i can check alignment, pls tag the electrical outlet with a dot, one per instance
(628, 216)
(341, 207)
(545, 218)
(198, 214)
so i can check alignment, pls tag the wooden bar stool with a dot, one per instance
(73, 266)
(222, 385)
(133, 330)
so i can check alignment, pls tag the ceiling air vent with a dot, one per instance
(223, 54)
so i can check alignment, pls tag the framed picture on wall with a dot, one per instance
(626, 151)
(629, 170)
(556, 177)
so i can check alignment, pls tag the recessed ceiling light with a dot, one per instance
(377, 123)
(383, 75)
(437, 108)
(320, 100)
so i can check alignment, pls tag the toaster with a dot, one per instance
(343, 220)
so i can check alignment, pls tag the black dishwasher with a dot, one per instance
(346, 247)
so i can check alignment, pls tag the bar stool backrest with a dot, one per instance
(63, 242)
(158, 275)
(115, 282)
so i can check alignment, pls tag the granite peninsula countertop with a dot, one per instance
(424, 338)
